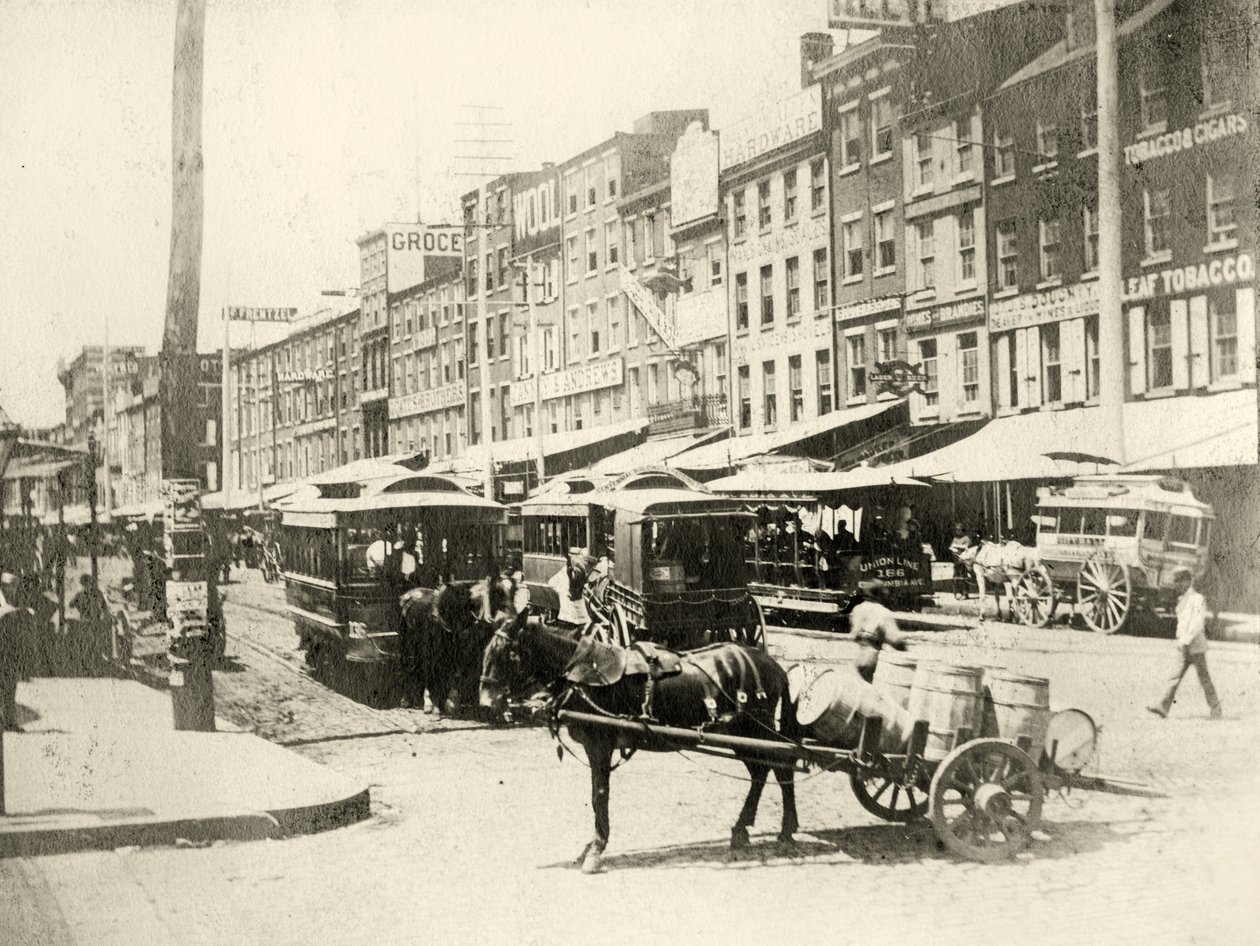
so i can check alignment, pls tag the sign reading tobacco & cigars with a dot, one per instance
(239, 313)
(422, 402)
(787, 121)
(1184, 139)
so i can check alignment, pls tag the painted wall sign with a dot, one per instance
(957, 313)
(535, 210)
(646, 303)
(421, 402)
(701, 316)
(791, 339)
(602, 374)
(409, 245)
(693, 176)
(426, 337)
(783, 123)
(1184, 139)
(304, 377)
(860, 310)
(1206, 274)
(1052, 305)
(808, 234)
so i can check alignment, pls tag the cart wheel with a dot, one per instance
(986, 800)
(887, 798)
(619, 627)
(1104, 595)
(753, 633)
(1034, 597)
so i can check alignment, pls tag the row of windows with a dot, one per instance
(554, 536)
(790, 201)
(585, 188)
(795, 390)
(820, 295)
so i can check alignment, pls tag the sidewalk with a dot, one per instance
(99, 765)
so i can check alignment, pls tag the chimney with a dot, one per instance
(815, 47)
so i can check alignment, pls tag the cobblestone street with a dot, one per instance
(474, 829)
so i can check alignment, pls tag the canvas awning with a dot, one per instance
(524, 449)
(652, 452)
(770, 483)
(728, 453)
(1164, 434)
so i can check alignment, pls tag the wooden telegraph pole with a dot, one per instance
(191, 682)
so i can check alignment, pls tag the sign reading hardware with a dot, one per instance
(1222, 271)
(239, 313)
(421, 402)
(1053, 305)
(602, 374)
(788, 120)
(304, 377)
(1183, 139)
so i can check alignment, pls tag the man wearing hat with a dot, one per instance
(12, 634)
(871, 626)
(1191, 645)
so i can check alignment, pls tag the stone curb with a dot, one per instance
(35, 835)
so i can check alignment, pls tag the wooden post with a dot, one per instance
(192, 685)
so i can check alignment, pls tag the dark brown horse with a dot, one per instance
(444, 631)
(733, 689)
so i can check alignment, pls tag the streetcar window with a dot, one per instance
(1183, 530)
(1156, 526)
(1093, 522)
(1122, 523)
(1047, 521)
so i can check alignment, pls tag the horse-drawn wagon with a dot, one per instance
(1110, 544)
(654, 555)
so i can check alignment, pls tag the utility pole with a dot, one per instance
(483, 339)
(1112, 357)
(535, 351)
(225, 409)
(187, 600)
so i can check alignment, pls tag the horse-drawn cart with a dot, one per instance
(1110, 544)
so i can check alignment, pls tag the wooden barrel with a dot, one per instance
(836, 702)
(1018, 705)
(948, 696)
(894, 677)
(799, 677)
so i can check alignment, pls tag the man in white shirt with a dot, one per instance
(872, 627)
(1191, 645)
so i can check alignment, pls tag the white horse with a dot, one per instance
(1002, 565)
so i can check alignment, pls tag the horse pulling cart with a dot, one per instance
(983, 795)
(1110, 544)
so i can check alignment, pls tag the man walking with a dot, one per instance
(872, 626)
(1191, 645)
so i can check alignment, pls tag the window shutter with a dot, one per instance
(1245, 299)
(1200, 363)
(1073, 354)
(1033, 378)
(986, 379)
(1137, 349)
(1004, 372)
(1021, 366)
(1180, 344)
(949, 376)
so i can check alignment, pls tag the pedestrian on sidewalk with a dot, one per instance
(872, 626)
(1191, 646)
(12, 651)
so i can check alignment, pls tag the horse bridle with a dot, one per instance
(502, 635)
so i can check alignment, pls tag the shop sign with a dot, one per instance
(523, 391)
(511, 488)
(645, 301)
(807, 333)
(1183, 139)
(860, 310)
(602, 374)
(535, 210)
(941, 316)
(701, 316)
(314, 427)
(422, 402)
(898, 377)
(1052, 305)
(426, 337)
(1208, 274)
(410, 245)
(809, 233)
(693, 176)
(238, 313)
(303, 377)
(785, 122)
(873, 14)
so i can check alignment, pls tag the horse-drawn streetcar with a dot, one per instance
(1110, 544)
(653, 554)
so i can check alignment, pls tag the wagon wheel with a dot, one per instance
(752, 633)
(986, 800)
(1104, 595)
(619, 627)
(1034, 597)
(884, 796)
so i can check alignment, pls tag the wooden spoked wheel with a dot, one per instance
(986, 800)
(753, 631)
(619, 627)
(1104, 595)
(1034, 597)
(885, 797)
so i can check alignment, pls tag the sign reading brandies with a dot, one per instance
(957, 313)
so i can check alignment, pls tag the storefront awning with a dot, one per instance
(729, 453)
(653, 452)
(1165, 434)
(525, 449)
(769, 483)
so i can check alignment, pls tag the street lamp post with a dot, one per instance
(1112, 358)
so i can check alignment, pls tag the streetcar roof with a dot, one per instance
(407, 491)
(646, 503)
(1126, 491)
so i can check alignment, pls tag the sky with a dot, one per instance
(322, 119)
